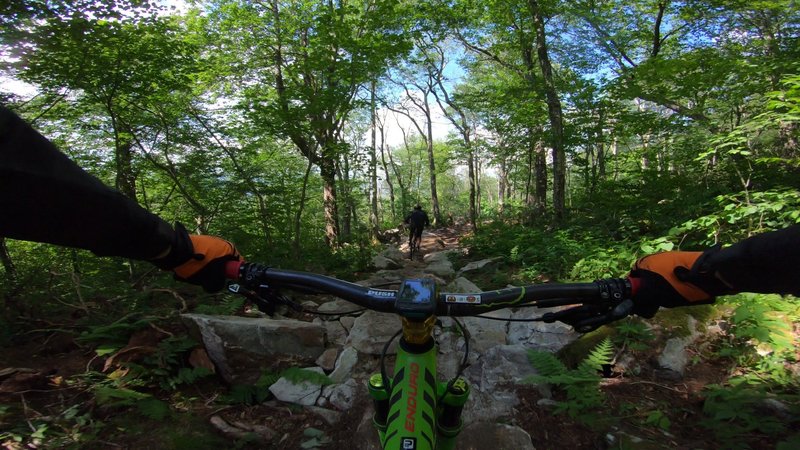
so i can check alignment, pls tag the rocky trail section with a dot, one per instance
(347, 348)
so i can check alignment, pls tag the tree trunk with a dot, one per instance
(373, 172)
(536, 191)
(437, 213)
(343, 171)
(299, 214)
(554, 112)
(327, 169)
(601, 150)
(404, 188)
(473, 214)
(478, 193)
(529, 179)
(502, 182)
(125, 181)
(388, 176)
(540, 172)
(10, 270)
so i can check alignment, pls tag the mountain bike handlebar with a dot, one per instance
(594, 304)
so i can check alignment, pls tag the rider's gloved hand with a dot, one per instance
(672, 279)
(198, 259)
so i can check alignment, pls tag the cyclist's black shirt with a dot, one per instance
(418, 219)
(45, 197)
(766, 263)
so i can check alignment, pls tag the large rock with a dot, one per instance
(364, 436)
(327, 361)
(302, 393)
(492, 381)
(342, 396)
(372, 330)
(673, 359)
(487, 333)
(462, 285)
(336, 306)
(437, 256)
(328, 415)
(335, 332)
(344, 365)
(550, 337)
(439, 264)
(240, 347)
(393, 253)
(382, 262)
(394, 235)
(390, 279)
(495, 436)
(450, 345)
(482, 266)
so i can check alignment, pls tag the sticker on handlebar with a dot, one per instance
(457, 298)
(382, 294)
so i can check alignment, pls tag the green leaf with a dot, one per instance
(153, 408)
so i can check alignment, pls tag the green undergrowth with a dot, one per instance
(580, 385)
(759, 395)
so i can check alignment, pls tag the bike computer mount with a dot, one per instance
(416, 299)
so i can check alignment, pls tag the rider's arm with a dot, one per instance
(46, 197)
(765, 263)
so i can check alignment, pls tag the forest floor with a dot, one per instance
(45, 391)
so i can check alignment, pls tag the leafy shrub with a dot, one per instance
(762, 343)
(255, 393)
(259, 392)
(761, 338)
(297, 375)
(610, 261)
(222, 305)
(658, 418)
(633, 334)
(165, 367)
(147, 405)
(742, 214)
(541, 253)
(734, 413)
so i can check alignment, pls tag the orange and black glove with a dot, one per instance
(673, 279)
(198, 259)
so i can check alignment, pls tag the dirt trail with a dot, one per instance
(434, 240)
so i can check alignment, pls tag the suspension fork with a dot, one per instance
(407, 412)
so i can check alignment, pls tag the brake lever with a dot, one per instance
(586, 318)
(266, 299)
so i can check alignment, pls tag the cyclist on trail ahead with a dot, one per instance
(45, 197)
(416, 220)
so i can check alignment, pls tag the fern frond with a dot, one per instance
(153, 408)
(297, 375)
(601, 355)
(267, 379)
(546, 363)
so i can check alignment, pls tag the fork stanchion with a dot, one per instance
(380, 400)
(450, 424)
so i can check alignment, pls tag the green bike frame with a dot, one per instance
(417, 412)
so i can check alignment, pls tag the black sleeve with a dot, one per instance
(765, 263)
(46, 197)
